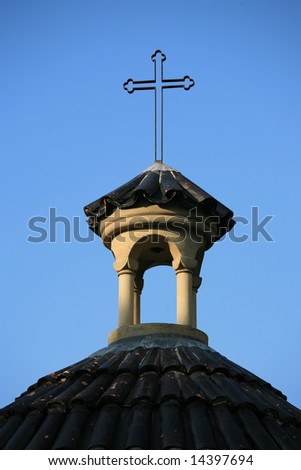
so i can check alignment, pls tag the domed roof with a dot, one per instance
(163, 391)
(159, 184)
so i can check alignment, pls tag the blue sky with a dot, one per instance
(70, 133)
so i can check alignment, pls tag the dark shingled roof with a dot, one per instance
(159, 184)
(155, 392)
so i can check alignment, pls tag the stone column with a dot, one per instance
(196, 282)
(186, 314)
(138, 286)
(126, 297)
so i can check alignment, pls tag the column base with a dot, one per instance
(144, 329)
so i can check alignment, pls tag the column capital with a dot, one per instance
(196, 283)
(183, 270)
(138, 283)
(126, 271)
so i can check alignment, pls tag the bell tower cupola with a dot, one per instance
(158, 218)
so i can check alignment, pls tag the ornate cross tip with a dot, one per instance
(158, 55)
(158, 84)
(129, 86)
(188, 82)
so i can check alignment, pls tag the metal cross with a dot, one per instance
(158, 84)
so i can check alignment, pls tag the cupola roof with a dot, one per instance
(160, 184)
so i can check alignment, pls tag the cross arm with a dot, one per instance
(186, 82)
(130, 85)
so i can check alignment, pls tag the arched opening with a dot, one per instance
(158, 299)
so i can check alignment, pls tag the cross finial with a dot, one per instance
(158, 84)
